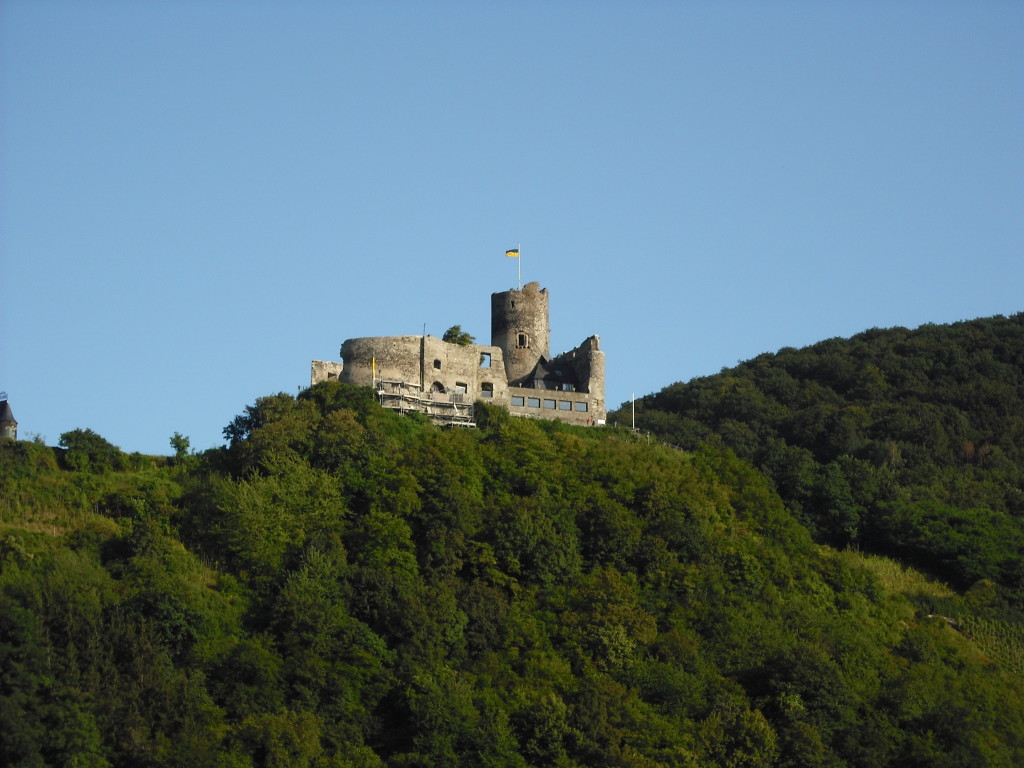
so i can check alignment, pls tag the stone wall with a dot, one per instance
(323, 370)
(587, 361)
(427, 363)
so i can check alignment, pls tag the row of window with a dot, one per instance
(486, 388)
(550, 405)
(487, 391)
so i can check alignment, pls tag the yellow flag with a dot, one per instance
(512, 253)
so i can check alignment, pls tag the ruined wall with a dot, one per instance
(428, 363)
(323, 370)
(519, 325)
(463, 369)
(587, 361)
(397, 359)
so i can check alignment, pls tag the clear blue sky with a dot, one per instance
(198, 198)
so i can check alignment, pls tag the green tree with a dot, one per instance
(86, 451)
(455, 335)
(180, 444)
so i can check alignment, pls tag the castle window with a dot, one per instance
(485, 359)
(581, 406)
(523, 341)
(533, 402)
(518, 400)
(486, 389)
(549, 404)
(437, 364)
(564, 405)
(460, 387)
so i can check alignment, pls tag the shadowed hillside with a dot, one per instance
(909, 443)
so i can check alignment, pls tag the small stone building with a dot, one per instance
(8, 426)
(517, 370)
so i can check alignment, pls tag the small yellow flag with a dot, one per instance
(512, 253)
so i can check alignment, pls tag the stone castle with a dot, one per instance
(517, 371)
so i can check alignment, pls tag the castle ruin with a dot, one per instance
(517, 371)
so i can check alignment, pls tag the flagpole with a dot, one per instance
(519, 264)
(516, 253)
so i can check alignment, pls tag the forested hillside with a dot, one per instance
(344, 586)
(909, 443)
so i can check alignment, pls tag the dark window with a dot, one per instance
(524, 340)
(437, 364)
(486, 389)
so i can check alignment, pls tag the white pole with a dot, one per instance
(633, 400)
(519, 281)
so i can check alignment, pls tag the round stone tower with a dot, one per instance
(519, 326)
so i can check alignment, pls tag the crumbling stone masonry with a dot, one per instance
(517, 371)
